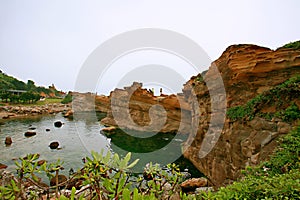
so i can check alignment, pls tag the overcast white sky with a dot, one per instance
(48, 41)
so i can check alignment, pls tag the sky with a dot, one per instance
(49, 41)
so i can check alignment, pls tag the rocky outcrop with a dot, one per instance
(246, 70)
(138, 109)
(7, 112)
(87, 102)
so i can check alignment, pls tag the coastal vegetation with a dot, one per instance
(281, 97)
(15, 91)
(294, 45)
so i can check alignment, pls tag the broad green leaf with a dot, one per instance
(126, 194)
(135, 194)
(132, 164)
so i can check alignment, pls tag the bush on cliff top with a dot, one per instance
(293, 45)
(68, 98)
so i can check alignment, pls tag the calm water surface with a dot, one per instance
(78, 137)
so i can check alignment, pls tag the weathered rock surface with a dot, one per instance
(87, 102)
(108, 130)
(193, 183)
(247, 70)
(138, 109)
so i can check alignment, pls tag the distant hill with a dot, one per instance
(10, 83)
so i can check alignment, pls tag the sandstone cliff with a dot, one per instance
(138, 109)
(246, 70)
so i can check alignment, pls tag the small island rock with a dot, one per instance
(53, 145)
(29, 133)
(8, 141)
(58, 124)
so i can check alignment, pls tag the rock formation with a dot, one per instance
(138, 109)
(247, 70)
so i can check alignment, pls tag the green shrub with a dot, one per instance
(279, 94)
(293, 45)
(68, 98)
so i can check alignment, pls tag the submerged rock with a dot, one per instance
(53, 145)
(58, 124)
(8, 141)
(29, 133)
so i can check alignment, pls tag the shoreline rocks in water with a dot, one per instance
(108, 130)
(13, 111)
(58, 124)
(8, 141)
(29, 133)
(54, 145)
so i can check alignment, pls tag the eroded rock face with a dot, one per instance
(137, 109)
(247, 70)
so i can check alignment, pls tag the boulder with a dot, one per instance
(53, 145)
(108, 130)
(61, 179)
(29, 133)
(192, 184)
(8, 141)
(69, 114)
(58, 124)
(47, 129)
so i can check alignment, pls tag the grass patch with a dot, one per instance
(41, 103)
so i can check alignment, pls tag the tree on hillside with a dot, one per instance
(30, 85)
(5, 96)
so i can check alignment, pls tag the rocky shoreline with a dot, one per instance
(12, 111)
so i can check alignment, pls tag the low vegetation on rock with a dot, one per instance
(293, 45)
(281, 97)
